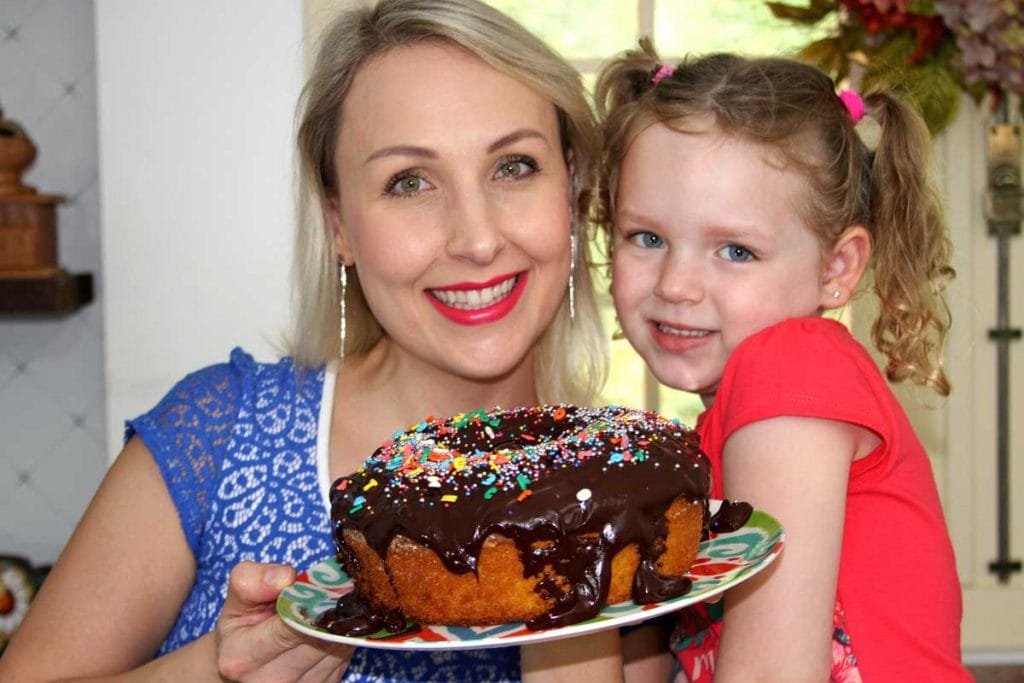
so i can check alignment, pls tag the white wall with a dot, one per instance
(196, 114)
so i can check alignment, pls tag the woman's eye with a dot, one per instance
(516, 167)
(734, 252)
(647, 240)
(407, 184)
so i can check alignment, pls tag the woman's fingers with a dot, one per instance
(310, 662)
(331, 667)
(253, 589)
(254, 644)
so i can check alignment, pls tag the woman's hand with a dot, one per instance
(254, 644)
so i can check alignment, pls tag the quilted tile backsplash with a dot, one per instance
(52, 444)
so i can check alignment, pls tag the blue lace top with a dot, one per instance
(242, 447)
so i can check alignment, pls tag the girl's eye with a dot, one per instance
(647, 240)
(734, 252)
(407, 184)
(516, 167)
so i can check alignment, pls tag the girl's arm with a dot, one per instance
(778, 625)
(117, 588)
(595, 658)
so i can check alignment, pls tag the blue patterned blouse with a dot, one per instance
(237, 445)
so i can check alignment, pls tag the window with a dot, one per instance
(588, 32)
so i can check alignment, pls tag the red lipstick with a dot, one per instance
(480, 316)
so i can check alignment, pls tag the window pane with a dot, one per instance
(748, 26)
(577, 29)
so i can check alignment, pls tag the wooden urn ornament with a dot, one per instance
(31, 280)
(16, 154)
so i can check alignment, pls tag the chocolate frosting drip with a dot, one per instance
(355, 616)
(731, 516)
(450, 484)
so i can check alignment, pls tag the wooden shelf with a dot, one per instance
(60, 293)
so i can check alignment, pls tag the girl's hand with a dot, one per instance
(254, 644)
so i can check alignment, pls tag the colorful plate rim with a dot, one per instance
(724, 560)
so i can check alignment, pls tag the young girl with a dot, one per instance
(741, 205)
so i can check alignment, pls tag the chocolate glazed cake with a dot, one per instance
(542, 514)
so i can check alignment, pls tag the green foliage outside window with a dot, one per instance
(596, 29)
(577, 29)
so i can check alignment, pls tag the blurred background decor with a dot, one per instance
(31, 281)
(19, 582)
(932, 49)
(16, 154)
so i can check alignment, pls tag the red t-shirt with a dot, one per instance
(897, 583)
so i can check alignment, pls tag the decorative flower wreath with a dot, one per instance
(930, 49)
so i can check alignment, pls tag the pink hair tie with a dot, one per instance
(662, 72)
(854, 104)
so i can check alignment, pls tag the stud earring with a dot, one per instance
(572, 275)
(343, 281)
(836, 294)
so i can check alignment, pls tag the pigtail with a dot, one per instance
(619, 98)
(626, 78)
(911, 248)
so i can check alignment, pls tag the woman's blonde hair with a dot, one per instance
(793, 107)
(571, 359)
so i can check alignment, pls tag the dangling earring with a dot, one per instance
(343, 280)
(572, 275)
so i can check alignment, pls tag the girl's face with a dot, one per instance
(709, 248)
(454, 205)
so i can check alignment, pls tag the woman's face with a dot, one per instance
(454, 206)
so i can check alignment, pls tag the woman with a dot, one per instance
(443, 153)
